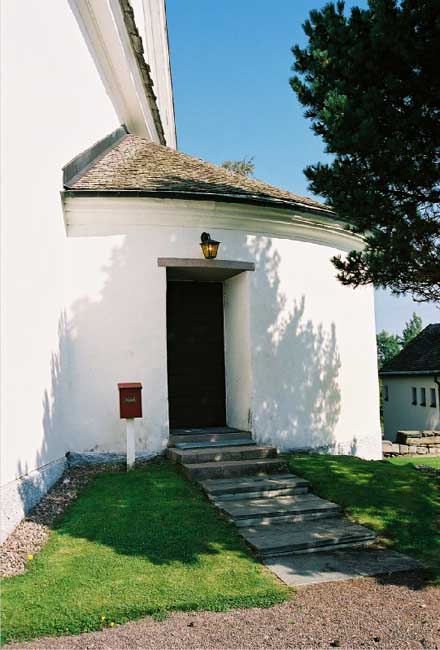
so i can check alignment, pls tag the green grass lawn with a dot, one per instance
(430, 461)
(401, 504)
(146, 542)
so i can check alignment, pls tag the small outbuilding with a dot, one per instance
(411, 386)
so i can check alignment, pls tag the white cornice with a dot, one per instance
(100, 216)
(158, 57)
(102, 25)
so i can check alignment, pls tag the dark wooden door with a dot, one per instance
(196, 357)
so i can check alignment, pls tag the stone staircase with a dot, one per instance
(274, 510)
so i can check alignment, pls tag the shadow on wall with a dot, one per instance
(19, 497)
(296, 396)
(98, 345)
(53, 403)
(296, 402)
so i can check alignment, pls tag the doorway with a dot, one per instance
(196, 354)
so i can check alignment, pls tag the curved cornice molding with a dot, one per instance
(100, 216)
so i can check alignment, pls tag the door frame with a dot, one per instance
(237, 279)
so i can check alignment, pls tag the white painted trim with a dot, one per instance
(102, 25)
(238, 351)
(131, 451)
(158, 57)
(100, 216)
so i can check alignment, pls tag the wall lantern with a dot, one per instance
(209, 246)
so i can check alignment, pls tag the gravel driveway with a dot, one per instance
(396, 612)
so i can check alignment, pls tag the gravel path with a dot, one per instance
(399, 611)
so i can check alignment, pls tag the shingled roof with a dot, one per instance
(420, 356)
(134, 165)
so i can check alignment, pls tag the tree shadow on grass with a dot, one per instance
(152, 513)
(399, 503)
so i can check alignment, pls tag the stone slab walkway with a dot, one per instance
(307, 569)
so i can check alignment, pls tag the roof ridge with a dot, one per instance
(85, 160)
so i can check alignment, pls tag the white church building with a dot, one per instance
(108, 282)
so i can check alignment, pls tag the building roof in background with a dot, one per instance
(144, 68)
(421, 355)
(132, 164)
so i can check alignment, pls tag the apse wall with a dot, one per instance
(310, 342)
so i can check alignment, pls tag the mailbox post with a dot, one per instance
(130, 407)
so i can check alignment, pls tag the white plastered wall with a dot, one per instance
(53, 106)
(312, 378)
(313, 351)
(399, 414)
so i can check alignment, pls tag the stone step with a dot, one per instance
(191, 431)
(255, 486)
(231, 469)
(250, 512)
(208, 437)
(227, 442)
(210, 455)
(258, 495)
(309, 568)
(282, 519)
(305, 537)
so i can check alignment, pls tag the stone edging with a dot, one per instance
(414, 443)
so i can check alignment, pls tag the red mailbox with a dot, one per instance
(130, 400)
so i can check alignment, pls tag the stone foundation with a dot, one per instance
(21, 495)
(84, 458)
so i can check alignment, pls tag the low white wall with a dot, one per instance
(399, 414)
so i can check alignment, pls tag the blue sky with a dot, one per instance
(231, 64)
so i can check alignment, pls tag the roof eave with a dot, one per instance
(205, 196)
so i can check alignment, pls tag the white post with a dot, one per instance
(130, 443)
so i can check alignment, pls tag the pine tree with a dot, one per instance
(370, 83)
